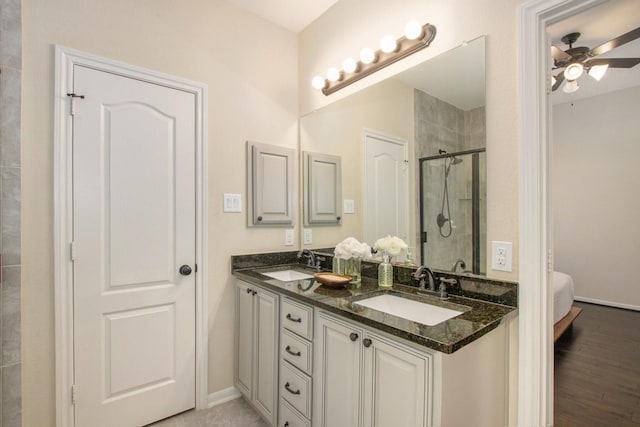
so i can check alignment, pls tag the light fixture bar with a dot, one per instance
(405, 48)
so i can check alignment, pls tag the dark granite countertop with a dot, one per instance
(478, 318)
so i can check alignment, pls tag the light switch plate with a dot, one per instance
(501, 255)
(349, 206)
(288, 237)
(308, 236)
(232, 202)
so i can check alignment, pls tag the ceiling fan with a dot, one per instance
(576, 60)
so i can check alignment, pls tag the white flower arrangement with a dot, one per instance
(352, 248)
(391, 245)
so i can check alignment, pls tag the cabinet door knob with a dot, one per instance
(366, 342)
(290, 390)
(294, 319)
(293, 353)
(353, 336)
(259, 218)
(338, 218)
(249, 290)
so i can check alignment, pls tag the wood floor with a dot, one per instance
(597, 369)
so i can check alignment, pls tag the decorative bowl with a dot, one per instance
(332, 279)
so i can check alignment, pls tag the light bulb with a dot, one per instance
(573, 71)
(367, 55)
(570, 86)
(333, 74)
(318, 82)
(412, 30)
(388, 44)
(349, 65)
(597, 71)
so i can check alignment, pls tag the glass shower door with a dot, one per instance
(453, 211)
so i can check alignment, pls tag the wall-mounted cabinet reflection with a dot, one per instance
(271, 183)
(322, 189)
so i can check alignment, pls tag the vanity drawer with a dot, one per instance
(295, 388)
(296, 350)
(290, 418)
(297, 318)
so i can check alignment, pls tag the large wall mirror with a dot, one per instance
(412, 151)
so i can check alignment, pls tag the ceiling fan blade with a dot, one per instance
(614, 43)
(614, 62)
(558, 54)
(559, 80)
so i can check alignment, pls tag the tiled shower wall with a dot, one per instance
(10, 88)
(440, 125)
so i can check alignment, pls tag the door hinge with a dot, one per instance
(74, 394)
(72, 251)
(549, 261)
(73, 97)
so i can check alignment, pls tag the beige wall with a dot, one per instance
(250, 67)
(350, 25)
(595, 187)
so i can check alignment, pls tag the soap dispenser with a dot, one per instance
(385, 272)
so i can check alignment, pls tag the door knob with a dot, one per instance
(185, 270)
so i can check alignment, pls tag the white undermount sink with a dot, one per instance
(405, 308)
(288, 275)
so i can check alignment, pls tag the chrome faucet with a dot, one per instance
(459, 262)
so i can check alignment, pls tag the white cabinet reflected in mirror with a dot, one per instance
(437, 105)
(322, 188)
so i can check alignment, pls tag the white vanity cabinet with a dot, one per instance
(257, 333)
(296, 367)
(364, 378)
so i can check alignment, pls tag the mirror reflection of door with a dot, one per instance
(386, 185)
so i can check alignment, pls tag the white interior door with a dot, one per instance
(134, 227)
(386, 187)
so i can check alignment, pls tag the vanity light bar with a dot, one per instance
(381, 59)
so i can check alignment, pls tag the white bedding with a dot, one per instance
(562, 294)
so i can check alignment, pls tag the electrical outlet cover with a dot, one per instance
(501, 256)
(308, 236)
(288, 237)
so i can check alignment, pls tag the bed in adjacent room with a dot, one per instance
(564, 313)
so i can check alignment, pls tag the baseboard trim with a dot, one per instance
(608, 303)
(223, 396)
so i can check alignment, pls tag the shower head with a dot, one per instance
(456, 161)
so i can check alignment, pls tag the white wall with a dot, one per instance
(596, 151)
(250, 66)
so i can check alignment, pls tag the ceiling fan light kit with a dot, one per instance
(573, 71)
(576, 60)
(570, 86)
(597, 71)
